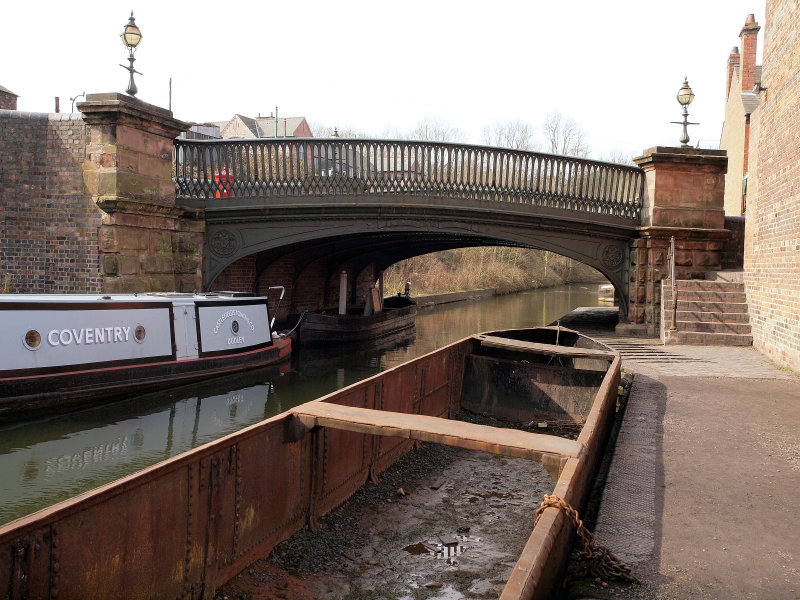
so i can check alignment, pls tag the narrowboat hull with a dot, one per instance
(214, 510)
(67, 352)
(327, 328)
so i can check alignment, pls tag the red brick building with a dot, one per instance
(772, 231)
(264, 127)
(8, 99)
(741, 99)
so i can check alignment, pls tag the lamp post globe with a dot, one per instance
(685, 94)
(131, 36)
(685, 97)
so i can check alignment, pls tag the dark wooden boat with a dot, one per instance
(62, 352)
(328, 327)
(214, 510)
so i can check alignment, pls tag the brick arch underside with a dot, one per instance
(309, 266)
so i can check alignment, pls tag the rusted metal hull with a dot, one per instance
(185, 526)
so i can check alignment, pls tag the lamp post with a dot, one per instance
(685, 97)
(131, 36)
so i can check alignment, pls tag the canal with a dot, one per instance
(46, 461)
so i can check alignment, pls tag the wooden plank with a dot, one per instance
(547, 349)
(507, 442)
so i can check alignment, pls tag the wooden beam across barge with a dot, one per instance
(506, 442)
(547, 349)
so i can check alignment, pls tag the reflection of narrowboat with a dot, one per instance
(67, 351)
(328, 327)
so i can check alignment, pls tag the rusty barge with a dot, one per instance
(185, 526)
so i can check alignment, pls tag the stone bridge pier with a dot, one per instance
(146, 241)
(684, 200)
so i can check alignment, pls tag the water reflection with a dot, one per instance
(47, 461)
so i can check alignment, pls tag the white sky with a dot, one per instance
(379, 67)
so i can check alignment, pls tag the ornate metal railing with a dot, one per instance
(329, 167)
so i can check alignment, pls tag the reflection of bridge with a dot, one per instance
(362, 205)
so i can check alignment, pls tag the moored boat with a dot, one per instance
(62, 352)
(329, 327)
(214, 510)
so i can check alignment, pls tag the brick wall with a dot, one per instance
(733, 250)
(48, 222)
(732, 140)
(772, 236)
(7, 101)
(312, 289)
(237, 277)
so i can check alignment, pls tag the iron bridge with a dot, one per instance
(386, 200)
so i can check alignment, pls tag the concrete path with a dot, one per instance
(703, 494)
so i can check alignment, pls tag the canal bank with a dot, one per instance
(463, 296)
(701, 495)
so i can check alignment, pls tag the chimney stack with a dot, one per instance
(749, 38)
(733, 61)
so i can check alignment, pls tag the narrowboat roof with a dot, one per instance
(145, 297)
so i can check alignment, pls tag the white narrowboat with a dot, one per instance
(62, 352)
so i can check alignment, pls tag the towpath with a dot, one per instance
(703, 493)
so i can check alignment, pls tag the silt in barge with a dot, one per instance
(185, 526)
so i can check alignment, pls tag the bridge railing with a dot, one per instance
(344, 167)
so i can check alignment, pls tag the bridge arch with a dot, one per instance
(377, 202)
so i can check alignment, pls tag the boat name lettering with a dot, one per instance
(232, 313)
(88, 457)
(88, 335)
(235, 340)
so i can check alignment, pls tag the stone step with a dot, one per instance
(707, 296)
(699, 306)
(710, 286)
(694, 338)
(737, 276)
(711, 317)
(706, 327)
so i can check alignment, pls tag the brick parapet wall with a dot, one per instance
(48, 221)
(772, 246)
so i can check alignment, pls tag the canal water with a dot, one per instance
(50, 460)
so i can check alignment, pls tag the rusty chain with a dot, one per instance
(599, 561)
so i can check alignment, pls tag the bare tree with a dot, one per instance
(564, 136)
(436, 130)
(517, 135)
(618, 157)
(328, 131)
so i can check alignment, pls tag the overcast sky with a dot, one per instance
(381, 67)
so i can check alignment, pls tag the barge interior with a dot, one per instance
(184, 527)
